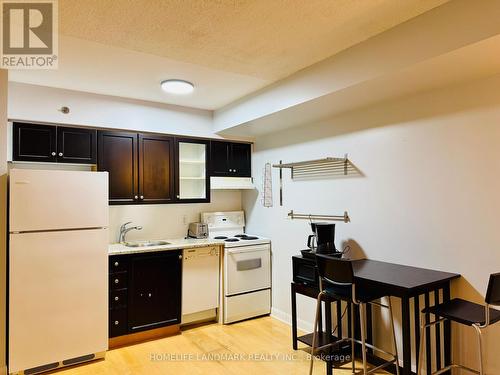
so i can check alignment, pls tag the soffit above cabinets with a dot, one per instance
(402, 61)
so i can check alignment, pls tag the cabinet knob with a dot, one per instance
(117, 281)
(142, 197)
(117, 264)
(180, 256)
(149, 295)
(178, 196)
(136, 197)
(53, 153)
(117, 298)
(60, 154)
(234, 170)
(116, 322)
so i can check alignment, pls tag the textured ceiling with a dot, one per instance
(265, 39)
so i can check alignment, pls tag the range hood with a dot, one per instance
(234, 183)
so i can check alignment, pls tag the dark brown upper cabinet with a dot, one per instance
(118, 155)
(230, 159)
(192, 178)
(47, 143)
(34, 142)
(76, 145)
(156, 169)
(140, 167)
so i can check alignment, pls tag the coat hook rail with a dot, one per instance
(345, 218)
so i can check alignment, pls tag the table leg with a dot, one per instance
(437, 333)
(416, 307)
(349, 319)
(294, 317)
(369, 331)
(406, 328)
(338, 305)
(447, 331)
(428, 354)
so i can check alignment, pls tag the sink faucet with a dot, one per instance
(124, 230)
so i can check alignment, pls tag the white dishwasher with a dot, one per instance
(200, 284)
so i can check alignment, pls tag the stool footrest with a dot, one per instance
(447, 368)
(380, 367)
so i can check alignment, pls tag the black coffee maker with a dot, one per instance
(322, 241)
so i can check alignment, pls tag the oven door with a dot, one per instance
(247, 268)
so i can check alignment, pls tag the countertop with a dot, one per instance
(173, 244)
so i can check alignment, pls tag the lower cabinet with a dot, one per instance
(145, 291)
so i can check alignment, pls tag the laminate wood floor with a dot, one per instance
(254, 347)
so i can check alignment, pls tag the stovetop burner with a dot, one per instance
(232, 240)
(246, 237)
(220, 238)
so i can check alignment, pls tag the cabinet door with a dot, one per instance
(76, 145)
(154, 290)
(117, 154)
(220, 158)
(241, 159)
(192, 178)
(156, 169)
(34, 142)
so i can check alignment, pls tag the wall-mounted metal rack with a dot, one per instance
(329, 167)
(345, 218)
(318, 168)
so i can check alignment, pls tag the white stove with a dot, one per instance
(247, 266)
(229, 227)
(241, 239)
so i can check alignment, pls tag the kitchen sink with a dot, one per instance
(145, 243)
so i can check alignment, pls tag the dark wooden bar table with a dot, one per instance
(409, 284)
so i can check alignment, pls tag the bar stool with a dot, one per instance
(336, 279)
(467, 313)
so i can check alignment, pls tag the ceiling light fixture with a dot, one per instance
(177, 86)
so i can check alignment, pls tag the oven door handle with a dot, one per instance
(246, 249)
(249, 264)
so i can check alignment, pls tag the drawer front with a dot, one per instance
(118, 280)
(248, 305)
(118, 298)
(117, 322)
(118, 264)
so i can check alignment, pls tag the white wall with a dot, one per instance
(168, 221)
(42, 104)
(428, 196)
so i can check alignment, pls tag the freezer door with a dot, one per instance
(53, 200)
(58, 296)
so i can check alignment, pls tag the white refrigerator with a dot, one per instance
(58, 267)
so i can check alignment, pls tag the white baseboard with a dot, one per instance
(284, 317)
